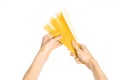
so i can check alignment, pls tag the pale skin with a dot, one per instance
(49, 43)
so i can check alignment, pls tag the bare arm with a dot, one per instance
(48, 44)
(85, 57)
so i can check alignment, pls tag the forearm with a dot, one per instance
(36, 67)
(96, 70)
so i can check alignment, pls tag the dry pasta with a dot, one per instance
(59, 26)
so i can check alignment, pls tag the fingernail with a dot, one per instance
(60, 36)
(73, 42)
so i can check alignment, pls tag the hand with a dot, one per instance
(83, 54)
(49, 43)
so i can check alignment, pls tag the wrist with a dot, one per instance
(45, 49)
(43, 54)
(92, 63)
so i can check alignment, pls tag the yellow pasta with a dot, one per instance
(59, 26)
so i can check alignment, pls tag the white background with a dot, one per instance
(96, 24)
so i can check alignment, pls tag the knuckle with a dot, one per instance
(83, 45)
(44, 37)
(52, 40)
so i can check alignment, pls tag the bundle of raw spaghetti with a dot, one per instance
(60, 25)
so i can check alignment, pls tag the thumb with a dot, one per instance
(75, 45)
(57, 38)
